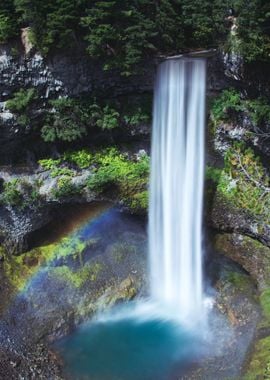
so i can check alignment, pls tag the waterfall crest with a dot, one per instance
(176, 187)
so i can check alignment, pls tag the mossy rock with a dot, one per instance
(259, 366)
(252, 255)
(77, 278)
(122, 292)
(19, 269)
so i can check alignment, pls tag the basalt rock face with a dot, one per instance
(16, 225)
(17, 222)
(71, 74)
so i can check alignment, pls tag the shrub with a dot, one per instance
(21, 105)
(67, 121)
(137, 117)
(104, 118)
(140, 201)
(21, 194)
(129, 177)
(245, 181)
(49, 163)
(82, 158)
(11, 194)
(21, 100)
(213, 174)
(65, 188)
(259, 110)
(227, 105)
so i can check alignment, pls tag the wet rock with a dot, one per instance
(252, 255)
(16, 225)
(57, 297)
(228, 218)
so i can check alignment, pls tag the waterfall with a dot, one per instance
(176, 187)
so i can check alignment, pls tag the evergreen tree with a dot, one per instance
(8, 20)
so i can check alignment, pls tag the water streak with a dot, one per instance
(176, 187)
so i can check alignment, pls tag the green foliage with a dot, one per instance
(213, 174)
(21, 100)
(49, 163)
(70, 119)
(11, 195)
(125, 33)
(245, 182)
(56, 167)
(65, 188)
(82, 158)
(227, 105)
(128, 178)
(259, 110)
(62, 171)
(139, 201)
(53, 23)
(254, 29)
(20, 193)
(8, 22)
(67, 121)
(239, 280)
(19, 269)
(122, 33)
(137, 117)
(21, 104)
(104, 118)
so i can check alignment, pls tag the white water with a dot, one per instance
(176, 187)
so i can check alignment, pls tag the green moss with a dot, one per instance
(265, 303)
(259, 367)
(19, 269)
(77, 278)
(239, 280)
